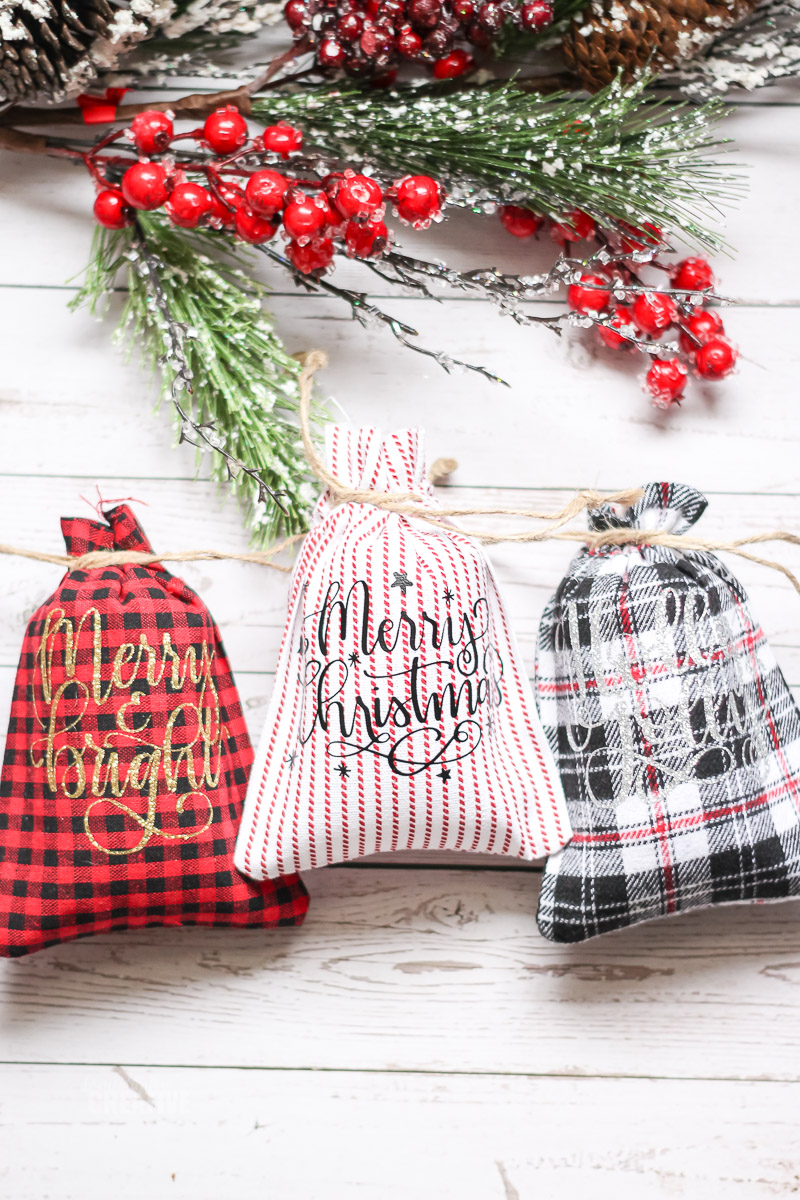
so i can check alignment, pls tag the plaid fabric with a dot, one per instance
(126, 762)
(677, 738)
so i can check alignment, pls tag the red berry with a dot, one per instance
(622, 319)
(452, 65)
(418, 199)
(282, 139)
(331, 53)
(144, 185)
(152, 131)
(424, 14)
(265, 192)
(332, 215)
(296, 14)
(491, 16)
(384, 79)
(331, 182)
(590, 294)
(365, 240)
(703, 324)
(665, 381)
(439, 42)
(391, 11)
(409, 43)
(578, 226)
(188, 204)
(583, 223)
(250, 227)
(536, 14)
(315, 256)
(358, 196)
(377, 43)
(220, 211)
(225, 130)
(521, 222)
(693, 275)
(111, 210)
(637, 239)
(478, 35)
(302, 218)
(715, 360)
(464, 10)
(349, 26)
(654, 312)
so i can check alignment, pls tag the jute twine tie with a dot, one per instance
(411, 504)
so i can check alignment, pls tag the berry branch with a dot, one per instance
(369, 37)
(228, 183)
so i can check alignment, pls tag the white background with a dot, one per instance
(417, 1038)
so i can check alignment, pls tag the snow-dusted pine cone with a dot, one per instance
(42, 41)
(635, 34)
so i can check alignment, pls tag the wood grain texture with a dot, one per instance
(178, 1133)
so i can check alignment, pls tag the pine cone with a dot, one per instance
(635, 34)
(43, 41)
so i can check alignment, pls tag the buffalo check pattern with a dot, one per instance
(126, 761)
(676, 735)
(401, 716)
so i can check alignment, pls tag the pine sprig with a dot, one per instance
(244, 394)
(617, 155)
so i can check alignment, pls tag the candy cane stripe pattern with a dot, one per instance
(401, 717)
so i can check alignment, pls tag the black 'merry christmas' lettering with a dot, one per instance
(476, 665)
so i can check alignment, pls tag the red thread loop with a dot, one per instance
(103, 502)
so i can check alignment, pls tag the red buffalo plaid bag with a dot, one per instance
(126, 762)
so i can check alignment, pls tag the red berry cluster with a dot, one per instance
(365, 37)
(343, 210)
(645, 315)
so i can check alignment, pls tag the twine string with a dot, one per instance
(412, 504)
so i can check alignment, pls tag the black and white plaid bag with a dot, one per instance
(676, 735)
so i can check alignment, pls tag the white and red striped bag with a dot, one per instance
(401, 718)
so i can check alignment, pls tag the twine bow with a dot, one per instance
(411, 504)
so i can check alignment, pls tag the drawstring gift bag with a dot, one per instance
(401, 716)
(126, 761)
(676, 735)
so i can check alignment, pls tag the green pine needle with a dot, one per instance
(617, 155)
(244, 380)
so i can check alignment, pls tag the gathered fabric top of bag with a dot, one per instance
(370, 461)
(662, 507)
(122, 532)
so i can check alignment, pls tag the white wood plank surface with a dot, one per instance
(417, 1037)
(178, 1133)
